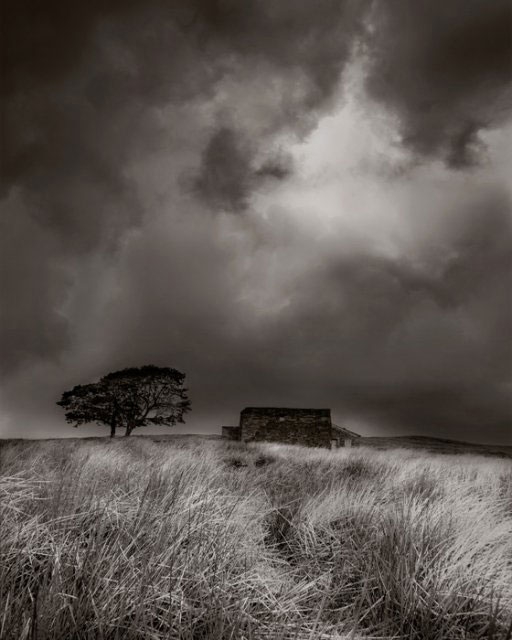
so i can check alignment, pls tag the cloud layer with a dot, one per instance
(293, 204)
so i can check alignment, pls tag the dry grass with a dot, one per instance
(194, 540)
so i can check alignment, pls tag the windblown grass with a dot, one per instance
(213, 540)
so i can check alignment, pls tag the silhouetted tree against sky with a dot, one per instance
(130, 398)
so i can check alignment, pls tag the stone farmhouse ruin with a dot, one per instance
(307, 427)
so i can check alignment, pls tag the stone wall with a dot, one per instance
(308, 427)
(231, 433)
(343, 438)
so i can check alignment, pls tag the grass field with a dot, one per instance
(191, 539)
(439, 445)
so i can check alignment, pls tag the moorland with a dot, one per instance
(197, 538)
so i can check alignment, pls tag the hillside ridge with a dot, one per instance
(428, 443)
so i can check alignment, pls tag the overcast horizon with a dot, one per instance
(294, 203)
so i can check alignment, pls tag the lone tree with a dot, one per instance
(127, 399)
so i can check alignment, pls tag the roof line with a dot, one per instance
(346, 431)
(285, 409)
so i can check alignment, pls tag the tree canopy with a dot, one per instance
(130, 398)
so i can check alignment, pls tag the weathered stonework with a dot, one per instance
(231, 433)
(341, 437)
(307, 427)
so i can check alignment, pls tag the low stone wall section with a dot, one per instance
(307, 427)
(231, 433)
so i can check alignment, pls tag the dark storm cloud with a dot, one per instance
(316, 41)
(412, 343)
(113, 54)
(104, 100)
(420, 341)
(79, 84)
(444, 69)
(228, 173)
(33, 287)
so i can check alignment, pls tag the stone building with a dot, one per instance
(308, 427)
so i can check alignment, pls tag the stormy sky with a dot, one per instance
(296, 203)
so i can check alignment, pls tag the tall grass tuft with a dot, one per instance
(211, 540)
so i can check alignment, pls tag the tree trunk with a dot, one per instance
(113, 424)
(129, 429)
